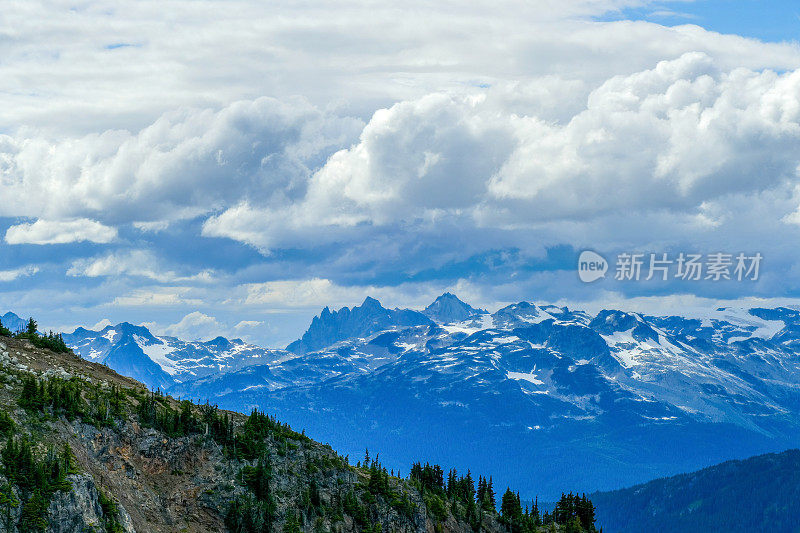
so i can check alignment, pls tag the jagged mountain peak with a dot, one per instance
(330, 327)
(448, 308)
(371, 303)
(611, 321)
(220, 342)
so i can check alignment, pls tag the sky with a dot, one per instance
(230, 167)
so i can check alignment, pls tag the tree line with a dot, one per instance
(50, 341)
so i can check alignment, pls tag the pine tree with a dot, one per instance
(8, 502)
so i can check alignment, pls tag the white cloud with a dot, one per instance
(247, 324)
(22, 272)
(152, 227)
(195, 326)
(101, 324)
(500, 126)
(60, 232)
(316, 293)
(187, 163)
(138, 263)
(298, 293)
(674, 138)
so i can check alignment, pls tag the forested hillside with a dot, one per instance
(757, 494)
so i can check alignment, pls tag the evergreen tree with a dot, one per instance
(292, 524)
(8, 502)
(511, 511)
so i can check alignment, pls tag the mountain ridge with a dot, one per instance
(755, 494)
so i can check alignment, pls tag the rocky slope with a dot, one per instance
(182, 468)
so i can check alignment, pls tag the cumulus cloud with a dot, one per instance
(101, 324)
(673, 138)
(187, 163)
(316, 293)
(299, 293)
(16, 273)
(195, 326)
(139, 263)
(274, 173)
(198, 326)
(500, 133)
(60, 232)
(245, 325)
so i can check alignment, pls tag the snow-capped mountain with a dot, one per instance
(161, 362)
(534, 393)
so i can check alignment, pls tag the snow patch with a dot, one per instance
(525, 377)
(158, 354)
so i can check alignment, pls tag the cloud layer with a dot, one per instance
(682, 138)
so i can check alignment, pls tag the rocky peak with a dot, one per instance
(448, 308)
(330, 327)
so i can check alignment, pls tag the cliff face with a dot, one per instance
(80, 509)
(127, 475)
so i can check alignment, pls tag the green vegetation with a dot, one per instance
(54, 397)
(32, 476)
(35, 479)
(111, 522)
(7, 425)
(574, 513)
(51, 341)
(155, 411)
(253, 512)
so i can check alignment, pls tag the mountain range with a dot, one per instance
(542, 396)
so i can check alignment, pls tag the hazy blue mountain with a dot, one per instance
(756, 494)
(13, 322)
(370, 317)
